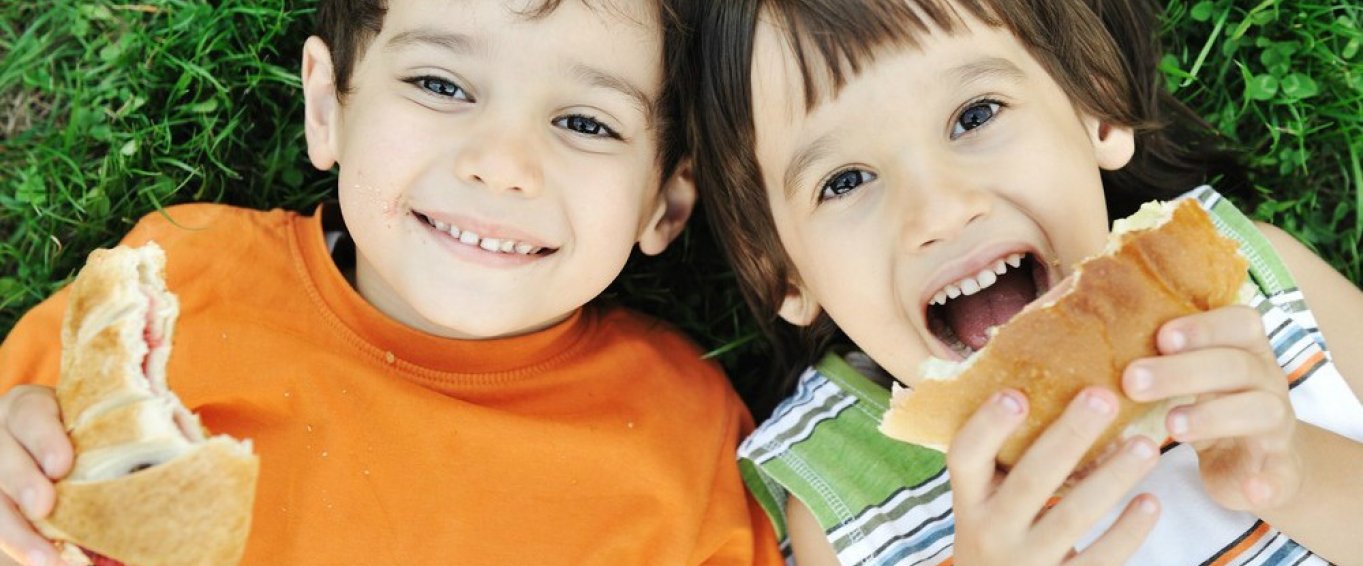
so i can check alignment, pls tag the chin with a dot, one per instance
(476, 327)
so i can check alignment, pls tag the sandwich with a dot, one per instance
(149, 486)
(1164, 262)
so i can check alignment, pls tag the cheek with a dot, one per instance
(606, 198)
(363, 195)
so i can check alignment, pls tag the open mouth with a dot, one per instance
(962, 314)
(488, 244)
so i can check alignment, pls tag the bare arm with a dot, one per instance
(807, 539)
(1325, 514)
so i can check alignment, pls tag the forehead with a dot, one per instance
(625, 20)
(794, 74)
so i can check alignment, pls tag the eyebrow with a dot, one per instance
(601, 79)
(987, 69)
(456, 42)
(799, 165)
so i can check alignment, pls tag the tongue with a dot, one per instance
(971, 316)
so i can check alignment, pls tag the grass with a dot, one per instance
(109, 111)
(1284, 79)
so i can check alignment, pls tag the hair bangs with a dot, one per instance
(833, 40)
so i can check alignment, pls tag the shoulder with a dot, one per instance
(798, 417)
(200, 223)
(1335, 301)
(218, 248)
(663, 357)
(1310, 271)
(654, 339)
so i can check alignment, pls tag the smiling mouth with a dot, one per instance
(963, 314)
(493, 245)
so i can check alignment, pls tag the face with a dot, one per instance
(496, 169)
(929, 176)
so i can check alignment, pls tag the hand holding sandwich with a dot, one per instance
(34, 453)
(1241, 422)
(1003, 520)
(126, 454)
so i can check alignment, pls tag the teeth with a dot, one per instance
(497, 245)
(953, 291)
(986, 278)
(969, 287)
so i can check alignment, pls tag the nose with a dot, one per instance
(501, 159)
(942, 201)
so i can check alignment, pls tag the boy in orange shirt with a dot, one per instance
(417, 369)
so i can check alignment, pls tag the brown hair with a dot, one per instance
(1105, 60)
(347, 27)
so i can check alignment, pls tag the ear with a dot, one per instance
(799, 308)
(321, 107)
(1113, 145)
(676, 200)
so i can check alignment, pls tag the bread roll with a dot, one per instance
(1165, 262)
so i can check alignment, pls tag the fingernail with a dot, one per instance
(1178, 424)
(1008, 402)
(1142, 450)
(1147, 506)
(49, 463)
(1139, 379)
(1177, 340)
(1098, 403)
(37, 558)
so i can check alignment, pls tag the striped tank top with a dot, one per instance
(881, 501)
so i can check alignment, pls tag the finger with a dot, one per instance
(1125, 536)
(1273, 485)
(20, 541)
(1234, 326)
(975, 448)
(1098, 493)
(1242, 414)
(35, 421)
(1054, 454)
(1198, 372)
(21, 481)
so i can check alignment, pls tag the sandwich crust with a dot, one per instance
(193, 510)
(1086, 337)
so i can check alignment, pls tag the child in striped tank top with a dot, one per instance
(868, 162)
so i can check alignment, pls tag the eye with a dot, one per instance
(586, 125)
(441, 87)
(844, 182)
(974, 116)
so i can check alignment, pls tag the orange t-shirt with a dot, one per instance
(602, 440)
